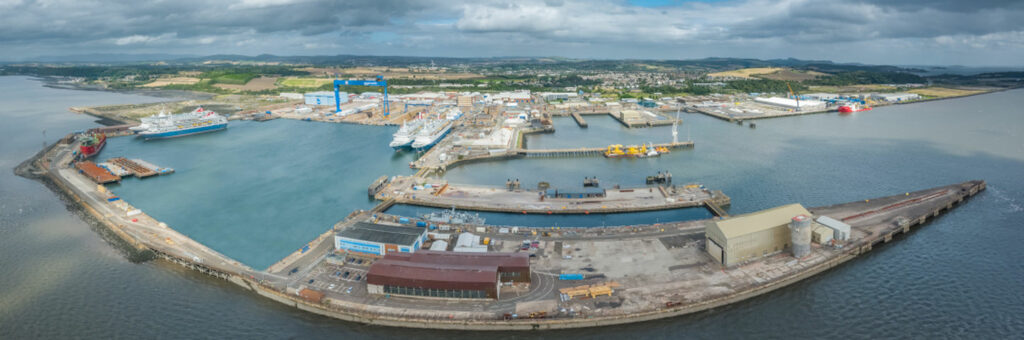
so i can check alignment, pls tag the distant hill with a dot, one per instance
(712, 64)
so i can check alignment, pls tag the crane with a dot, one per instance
(791, 93)
(379, 82)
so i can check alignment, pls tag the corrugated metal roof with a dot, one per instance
(382, 233)
(761, 220)
(502, 260)
(429, 275)
(834, 224)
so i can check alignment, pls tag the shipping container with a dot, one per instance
(570, 277)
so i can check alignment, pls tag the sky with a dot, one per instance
(911, 32)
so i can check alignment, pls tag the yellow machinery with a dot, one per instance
(614, 151)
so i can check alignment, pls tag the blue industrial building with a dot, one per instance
(379, 239)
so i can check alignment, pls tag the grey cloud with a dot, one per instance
(600, 28)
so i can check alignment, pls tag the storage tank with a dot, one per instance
(800, 235)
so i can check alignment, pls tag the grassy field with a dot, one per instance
(944, 92)
(172, 81)
(305, 82)
(852, 88)
(746, 72)
(256, 84)
(792, 75)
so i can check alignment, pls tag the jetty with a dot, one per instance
(579, 119)
(590, 200)
(639, 272)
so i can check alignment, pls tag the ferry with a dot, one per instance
(431, 133)
(168, 126)
(853, 107)
(92, 143)
(406, 134)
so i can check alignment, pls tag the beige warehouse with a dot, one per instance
(750, 236)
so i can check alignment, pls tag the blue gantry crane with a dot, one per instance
(379, 82)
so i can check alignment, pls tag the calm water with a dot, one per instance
(959, 276)
(258, 191)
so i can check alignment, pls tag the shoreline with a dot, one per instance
(245, 277)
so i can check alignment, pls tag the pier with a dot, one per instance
(96, 173)
(134, 168)
(658, 270)
(440, 194)
(577, 152)
(579, 119)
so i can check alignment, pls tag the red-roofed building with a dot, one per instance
(447, 274)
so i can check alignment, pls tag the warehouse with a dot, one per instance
(324, 98)
(792, 103)
(449, 275)
(895, 97)
(746, 237)
(379, 239)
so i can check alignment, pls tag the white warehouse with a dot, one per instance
(324, 98)
(792, 103)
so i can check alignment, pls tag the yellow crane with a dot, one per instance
(794, 95)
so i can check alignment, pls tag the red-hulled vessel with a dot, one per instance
(850, 108)
(92, 143)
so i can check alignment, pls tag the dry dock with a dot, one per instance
(437, 193)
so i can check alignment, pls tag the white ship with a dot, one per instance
(406, 134)
(431, 133)
(167, 126)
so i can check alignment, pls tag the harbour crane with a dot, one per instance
(379, 82)
(794, 95)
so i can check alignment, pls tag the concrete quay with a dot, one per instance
(441, 194)
(660, 270)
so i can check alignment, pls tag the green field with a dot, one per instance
(304, 82)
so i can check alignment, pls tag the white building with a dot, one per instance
(324, 98)
(791, 103)
(469, 243)
(895, 97)
(822, 96)
(509, 97)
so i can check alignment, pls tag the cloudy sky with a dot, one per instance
(940, 32)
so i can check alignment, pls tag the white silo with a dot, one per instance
(800, 235)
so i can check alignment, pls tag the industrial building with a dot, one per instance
(518, 97)
(841, 230)
(750, 236)
(324, 98)
(895, 97)
(469, 243)
(556, 96)
(792, 103)
(379, 239)
(439, 274)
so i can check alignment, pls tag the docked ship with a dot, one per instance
(167, 126)
(454, 217)
(431, 133)
(92, 143)
(406, 134)
(852, 107)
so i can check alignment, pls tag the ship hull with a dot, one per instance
(847, 109)
(89, 151)
(183, 132)
(433, 141)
